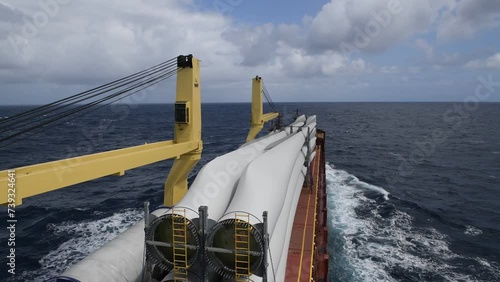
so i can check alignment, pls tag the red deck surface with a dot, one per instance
(310, 219)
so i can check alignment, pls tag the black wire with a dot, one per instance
(72, 110)
(82, 94)
(83, 107)
(34, 118)
(146, 84)
(271, 105)
(269, 101)
(70, 119)
(268, 97)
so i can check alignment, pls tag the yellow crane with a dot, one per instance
(258, 116)
(186, 148)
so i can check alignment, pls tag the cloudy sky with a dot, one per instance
(317, 50)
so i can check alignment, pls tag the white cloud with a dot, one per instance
(95, 41)
(426, 47)
(360, 85)
(414, 70)
(259, 44)
(465, 18)
(382, 23)
(297, 63)
(492, 62)
(389, 69)
(86, 43)
(452, 59)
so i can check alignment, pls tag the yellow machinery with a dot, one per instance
(186, 148)
(258, 116)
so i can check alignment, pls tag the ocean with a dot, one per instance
(413, 188)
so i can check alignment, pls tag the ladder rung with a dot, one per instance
(181, 271)
(242, 229)
(179, 242)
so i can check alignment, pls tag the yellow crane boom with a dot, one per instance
(186, 148)
(258, 116)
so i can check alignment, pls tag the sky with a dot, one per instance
(306, 51)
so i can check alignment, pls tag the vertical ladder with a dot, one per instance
(242, 230)
(179, 244)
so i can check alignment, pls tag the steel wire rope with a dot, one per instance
(41, 115)
(47, 107)
(268, 97)
(87, 106)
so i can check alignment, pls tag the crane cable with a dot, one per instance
(103, 88)
(74, 110)
(87, 106)
(268, 98)
(44, 110)
(153, 75)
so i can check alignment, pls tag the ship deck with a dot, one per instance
(307, 253)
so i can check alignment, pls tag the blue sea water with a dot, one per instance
(413, 188)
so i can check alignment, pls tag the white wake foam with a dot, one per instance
(373, 246)
(86, 238)
(343, 177)
(472, 231)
